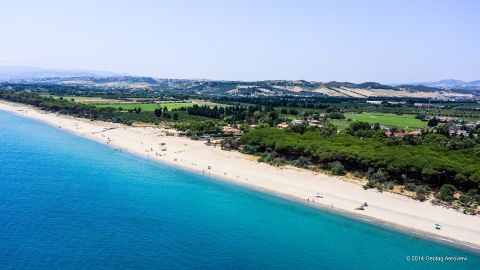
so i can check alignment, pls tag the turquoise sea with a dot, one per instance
(70, 203)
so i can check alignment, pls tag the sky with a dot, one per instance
(356, 41)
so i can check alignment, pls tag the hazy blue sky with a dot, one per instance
(385, 41)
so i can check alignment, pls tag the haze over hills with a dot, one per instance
(25, 72)
(445, 89)
(453, 84)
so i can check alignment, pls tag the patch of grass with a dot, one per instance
(405, 121)
(341, 124)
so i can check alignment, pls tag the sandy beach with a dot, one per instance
(390, 209)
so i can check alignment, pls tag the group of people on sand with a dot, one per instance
(318, 196)
(362, 206)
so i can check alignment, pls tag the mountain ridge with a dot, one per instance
(443, 89)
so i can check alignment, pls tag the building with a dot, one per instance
(232, 130)
(375, 102)
(414, 134)
(282, 125)
(297, 122)
(428, 105)
(315, 123)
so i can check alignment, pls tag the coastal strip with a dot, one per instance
(311, 188)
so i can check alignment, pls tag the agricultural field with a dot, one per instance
(128, 104)
(405, 121)
(90, 100)
(146, 107)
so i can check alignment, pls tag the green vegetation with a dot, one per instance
(104, 113)
(421, 192)
(337, 168)
(406, 122)
(367, 151)
(147, 107)
(446, 193)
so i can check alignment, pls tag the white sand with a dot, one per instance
(392, 209)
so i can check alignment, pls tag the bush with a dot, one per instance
(301, 162)
(465, 200)
(446, 193)
(266, 157)
(337, 168)
(433, 122)
(358, 174)
(370, 184)
(421, 192)
(389, 185)
(335, 115)
(249, 149)
(380, 187)
(476, 150)
(470, 198)
(380, 176)
(410, 186)
(358, 125)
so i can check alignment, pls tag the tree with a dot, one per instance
(293, 112)
(158, 112)
(301, 162)
(380, 176)
(272, 118)
(421, 192)
(446, 193)
(298, 128)
(175, 116)
(328, 130)
(410, 186)
(476, 150)
(337, 168)
(335, 115)
(432, 122)
(358, 125)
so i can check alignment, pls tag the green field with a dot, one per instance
(146, 107)
(405, 121)
(88, 100)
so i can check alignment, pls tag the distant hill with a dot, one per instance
(453, 84)
(445, 89)
(24, 72)
(255, 88)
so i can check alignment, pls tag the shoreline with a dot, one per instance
(387, 210)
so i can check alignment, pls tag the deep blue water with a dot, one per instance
(69, 203)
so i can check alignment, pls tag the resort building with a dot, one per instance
(282, 125)
(232, 130)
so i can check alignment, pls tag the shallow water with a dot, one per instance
(70, 203)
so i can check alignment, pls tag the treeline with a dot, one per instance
(428, 162)
(235, 113)
(65, 106)
(304, 102)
